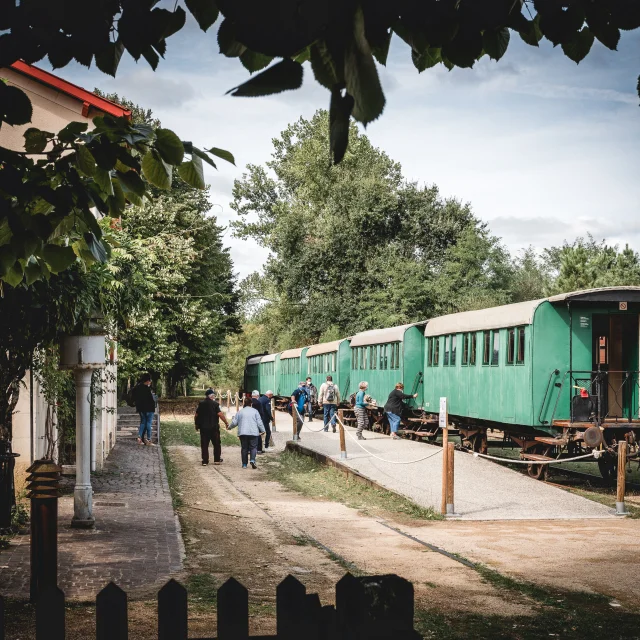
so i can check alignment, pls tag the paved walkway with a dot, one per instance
(483, 490)
(136, 542)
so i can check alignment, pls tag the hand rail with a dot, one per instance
(555, 372)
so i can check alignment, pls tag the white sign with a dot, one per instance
(622, 306)
(443, 413)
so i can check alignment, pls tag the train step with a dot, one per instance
(556, 442)
(534, 456)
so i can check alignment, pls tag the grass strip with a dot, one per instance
(183, 432)
(311, 478)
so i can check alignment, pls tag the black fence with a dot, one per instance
(367, 608)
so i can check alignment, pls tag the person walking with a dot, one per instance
(267, 418)
(250, 427)
(207, 419)
(146, 407)
(258, 406)
(298, 401)
(361, 410)
(329, 398)
(394, 408)
(312, 397)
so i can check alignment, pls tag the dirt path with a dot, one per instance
(275, 523)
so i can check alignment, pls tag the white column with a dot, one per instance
(82, 493)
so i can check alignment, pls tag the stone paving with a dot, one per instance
(136, 542)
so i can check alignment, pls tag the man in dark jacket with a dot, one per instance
(207, 419)
(146, 407)
(259, 407)
(395, 406)
(267, 417)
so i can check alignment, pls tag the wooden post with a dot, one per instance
(343, 444)
(444, 425)
(622, 463)
(451, 447)
(237, 402)
(273, 412)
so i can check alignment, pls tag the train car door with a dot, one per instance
(615, 354)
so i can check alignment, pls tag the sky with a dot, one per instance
(544, 150)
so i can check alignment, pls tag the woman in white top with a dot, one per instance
(250, 426)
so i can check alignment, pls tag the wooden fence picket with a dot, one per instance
(1, 618)
(328, 623)
(172, 612)
(233, 611)
(50, 614)
(111, 614)
(290, 609)
(313, 617)
(349, 600)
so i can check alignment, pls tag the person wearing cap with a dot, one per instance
(395, 407)
(267, 418)
(207, 419)
(257, 405)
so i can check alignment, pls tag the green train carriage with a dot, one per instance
(384, 357)
(330, 358)
(267, 373)
(251, 378)
(292, 367)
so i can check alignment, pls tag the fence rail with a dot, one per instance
(367, 608)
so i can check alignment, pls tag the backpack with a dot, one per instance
(131, 401)
(330, 394)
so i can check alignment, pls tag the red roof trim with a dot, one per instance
(101, 104)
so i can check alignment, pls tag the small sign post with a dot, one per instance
(443, 423)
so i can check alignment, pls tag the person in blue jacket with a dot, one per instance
(299, 399)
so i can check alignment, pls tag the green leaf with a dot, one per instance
(132, 181)
(429, 58)
(151, 57)
(464, 49)
(361, 75)
(203, 155)
(607, 34)
(5, 232)
(58, 258)
(102, 178)
(222, 154)
(192, 173)
(169, 146)
(14, 275)
(227, 42)
(155, 170)
(284, 76)
(35, 141)
(72, 131)
(529, 30)
(15, 106)
(495, 42)
(253, 61)
(32, 272)
(339, 117)
(85, 161)
(28, 244)
(381, 51)
(325, 69)
(108, 59)
(8, 257)
(579, 46)
(204, 11)
(96, 247)
(117, 202)
(625, 14)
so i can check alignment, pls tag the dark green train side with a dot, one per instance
(560, 373)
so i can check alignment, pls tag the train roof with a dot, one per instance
(380, 336)
(292, 353)
(324, 347)
(269, 358)
(254, 359)
(512, 315)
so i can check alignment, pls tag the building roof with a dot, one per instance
(324, 347)
(270, 358)
(88, 98)
(292, 353)
(379, 336)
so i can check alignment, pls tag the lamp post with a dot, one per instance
(83, 354)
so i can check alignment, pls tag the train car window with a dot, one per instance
(452, 358)
(465, 348)
(495, 355)
(429, 352)
(397, 349)
(511, 346)
(354, 359)
(363, 358)
(520, 356)
(436, 351)
(384, 356)
(473, 349)
(445, 360)
(486, 347)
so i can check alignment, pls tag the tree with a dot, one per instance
(355, 246)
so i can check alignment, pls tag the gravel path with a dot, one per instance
(483, 490)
